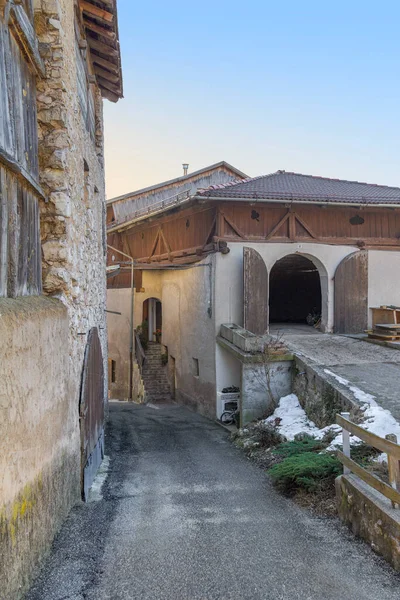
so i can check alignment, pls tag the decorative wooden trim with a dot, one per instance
(292, 225)
(277, 226)
(154, 246)
(232, 225)
(197, 250)
(306, 227)
(168, 247)
(209, 234)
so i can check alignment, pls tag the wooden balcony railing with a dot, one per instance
(388, 445)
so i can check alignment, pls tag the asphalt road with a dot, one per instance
(186, 517)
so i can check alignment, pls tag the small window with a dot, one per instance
(195, 366)
(112, 368)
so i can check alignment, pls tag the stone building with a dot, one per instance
(58, 59)
(284, 248)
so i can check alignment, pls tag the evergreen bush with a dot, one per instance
(308, 471)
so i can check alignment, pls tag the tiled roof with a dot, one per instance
(295, 187)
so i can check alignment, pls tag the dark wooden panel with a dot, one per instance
(255, 279)
(351, 294)
(91, 409)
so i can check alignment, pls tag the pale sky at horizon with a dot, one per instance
(303, 87)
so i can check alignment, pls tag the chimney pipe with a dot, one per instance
(185, 168)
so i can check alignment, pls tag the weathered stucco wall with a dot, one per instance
(187, 328)
(118, 327)
(39, 435)
(383, 280)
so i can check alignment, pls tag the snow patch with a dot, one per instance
(293, 420)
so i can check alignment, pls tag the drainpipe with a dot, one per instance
(130, 393)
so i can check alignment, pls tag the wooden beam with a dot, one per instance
(108, 85)
(154, 246)
(369, 438)
(97, 12)
(106, 75)
(379, 485)
(278, 225)
(168, 247)
(306, 227)
(292, 226)
(98, 29)
(102, 47)
(104, 63)
(178, 253)
(213, 225)
(234, 227)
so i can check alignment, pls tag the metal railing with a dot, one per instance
(139, 352)
(157, 206)
(388, 445)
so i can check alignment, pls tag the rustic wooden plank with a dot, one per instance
(106, 74)
(95, 11)
(3, 232)
(379, 485)
(255, 277)
(111, 35)
(393, 468)
(102, 47)
(369, 438)
(98, 60)
(351, 294)
(233, 226)
(281, 222)
(22, 28)
(305, 225)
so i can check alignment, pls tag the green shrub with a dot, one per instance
(307, 444)
(307, 471)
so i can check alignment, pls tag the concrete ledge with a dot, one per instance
(370, 515)
(247, 357)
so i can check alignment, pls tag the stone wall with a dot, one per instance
(43, 339)
(370, 516)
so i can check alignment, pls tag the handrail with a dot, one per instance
(140, 353)
(388, 445)
(176, 199)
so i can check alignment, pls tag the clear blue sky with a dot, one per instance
(311, 86)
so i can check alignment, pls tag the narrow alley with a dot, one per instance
(184, 516)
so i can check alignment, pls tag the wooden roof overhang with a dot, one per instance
(99, 18)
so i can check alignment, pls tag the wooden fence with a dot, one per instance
(388, 445)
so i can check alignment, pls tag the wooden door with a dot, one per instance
(351, 294)
(255, 301)
(91, 411)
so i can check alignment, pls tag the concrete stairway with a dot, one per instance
(154, 376)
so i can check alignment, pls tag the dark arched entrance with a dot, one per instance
(152, 316)
(294, 290)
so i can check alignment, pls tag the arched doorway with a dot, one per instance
(152, 316)
(298, 289)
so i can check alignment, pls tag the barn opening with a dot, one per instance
(295, 291)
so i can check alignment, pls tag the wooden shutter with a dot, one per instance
(351, 294)
(255, 278)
